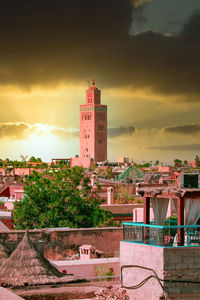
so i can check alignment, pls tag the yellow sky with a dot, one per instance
(45, 121)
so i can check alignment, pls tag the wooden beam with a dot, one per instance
(180, 221)
(146, 215)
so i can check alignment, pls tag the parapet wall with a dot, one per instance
(182, 264)
(60, 242)
(142, 256)
(179, 268)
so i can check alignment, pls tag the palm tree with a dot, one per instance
(23, 157)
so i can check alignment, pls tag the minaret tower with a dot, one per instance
(93, 126)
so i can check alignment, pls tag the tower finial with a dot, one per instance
(93, 81)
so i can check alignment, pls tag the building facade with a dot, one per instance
(93, 129)
(93, 126)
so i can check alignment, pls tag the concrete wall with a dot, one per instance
(181, 263)
(58, 243)
(121, 208)
(90, 267)
(146, 256)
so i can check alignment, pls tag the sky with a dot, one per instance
(143, 54)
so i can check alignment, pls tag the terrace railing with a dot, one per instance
(163, 236)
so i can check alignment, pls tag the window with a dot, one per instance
(86, 136)
(100, 127)
(100, 116)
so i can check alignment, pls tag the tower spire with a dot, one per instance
(93, 81)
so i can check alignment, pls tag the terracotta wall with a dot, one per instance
(59, 243)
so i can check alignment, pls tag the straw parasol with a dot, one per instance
(26, 266)
(4, 253)
(8, 295)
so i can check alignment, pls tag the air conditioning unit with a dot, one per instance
(189, 180)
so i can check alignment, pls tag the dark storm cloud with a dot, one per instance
(184, 147)
(184, 129)
(191, 27)
(138, 15)
(117, 131)
(13, 130)
(49, 41)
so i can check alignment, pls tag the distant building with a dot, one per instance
(193, 164)
(165, 169)
(93, 129)
(124, 160)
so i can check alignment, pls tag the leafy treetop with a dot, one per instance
(33, 159)
(63, 198)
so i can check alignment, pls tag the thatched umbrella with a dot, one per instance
(4, 253)
(6, 294)
(26, 266)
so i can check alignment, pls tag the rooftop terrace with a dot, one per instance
(162, 236)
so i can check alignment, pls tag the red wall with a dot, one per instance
(59, 242)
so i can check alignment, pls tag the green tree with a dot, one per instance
(38, 159)
(64, 199)
(32, 159)
(185, 163)
(23, 157)
(109, 173)
(177, 163)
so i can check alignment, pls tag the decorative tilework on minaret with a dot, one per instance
(93, 126)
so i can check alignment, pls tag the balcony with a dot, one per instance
(162, 236)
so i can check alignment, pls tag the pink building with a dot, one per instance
(12, 191)
(193, 164)
(93, 129)
(22, 171)
(165, 169)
